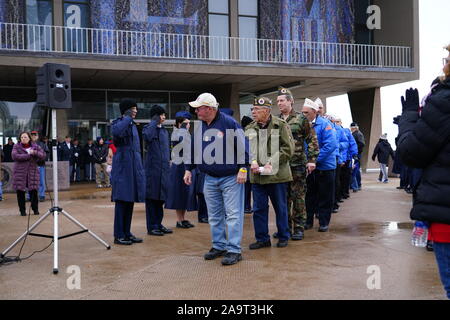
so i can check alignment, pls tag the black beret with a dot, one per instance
(126, 104)
(156, 110)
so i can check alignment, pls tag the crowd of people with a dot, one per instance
(306, 170)
(305, 163)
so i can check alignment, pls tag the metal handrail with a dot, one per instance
(59, 39)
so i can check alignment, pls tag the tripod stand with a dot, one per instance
(55, 210)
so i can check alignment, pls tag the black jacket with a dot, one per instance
(64, 153)
(88, 157)
(360, 141)
(424, 142)
(7, 150)
(76, 155)
(100, 152)
(383, 149)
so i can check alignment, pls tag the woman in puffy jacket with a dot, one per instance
(424, 142)
(26, 154)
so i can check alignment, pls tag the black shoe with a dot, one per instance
(23, 213)
(181, 225)
(231, 258)
(429, 246)
(340, 201)
(133, 239)
(187, 223)
(214, 253)
(323, 229)
(36, 213)
(282, 243)
(165, 230)
(123, 241)
(155, 232)
(260, 244)
(248, 211)
(203, 220)
(275, 235)
(346, 196)
(41, 199)
(308, 226)
(355, 190)
(335, 210)
(298, 235)
(400, 188)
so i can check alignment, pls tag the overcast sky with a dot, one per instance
(434, 35)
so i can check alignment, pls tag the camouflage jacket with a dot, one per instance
(304, 137)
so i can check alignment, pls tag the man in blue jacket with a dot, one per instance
(127, 174)
(320, 184)
(352, 155)
(224, 160)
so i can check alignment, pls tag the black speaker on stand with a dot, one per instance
(54, 92)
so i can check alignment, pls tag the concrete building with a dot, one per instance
(166, 52)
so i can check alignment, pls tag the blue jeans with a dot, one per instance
(1, 191)
(41, 191)
(225, 201)
(356, 176)
(442, 252)
(277, 192)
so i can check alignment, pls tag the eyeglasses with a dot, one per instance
(258, 108)
(445, 61)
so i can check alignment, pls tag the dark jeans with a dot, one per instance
(123, 213)
(320, 196)
(33, 199)
(248, 196)
(442, 252)
(155, 213)
(346, 174)
(202, 208)
(277, 192)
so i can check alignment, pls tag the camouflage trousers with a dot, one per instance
(296, 199)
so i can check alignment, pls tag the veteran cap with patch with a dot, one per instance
(262, 102)
(284, 91)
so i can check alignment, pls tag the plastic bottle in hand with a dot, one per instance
(419, 234)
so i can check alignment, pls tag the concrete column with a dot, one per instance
(227, 96)
(365, 106)
(58, 20)
(234, 29)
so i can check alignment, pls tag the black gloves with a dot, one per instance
(411, 103)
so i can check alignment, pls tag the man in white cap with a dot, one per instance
(225, 176)
(320, 184)
(319, 104)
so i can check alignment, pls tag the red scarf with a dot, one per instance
(26, 146)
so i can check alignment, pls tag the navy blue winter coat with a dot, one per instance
(127, 175)
(157, 161)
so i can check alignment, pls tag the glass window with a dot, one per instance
(248, 7)
(39, 14)
(179, 101)
(248, 45)
(218, 6)
(76, 15)
(87, 105)
(219, 42)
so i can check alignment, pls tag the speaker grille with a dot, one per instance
(59, 94)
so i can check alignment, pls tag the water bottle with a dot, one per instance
(419, 234)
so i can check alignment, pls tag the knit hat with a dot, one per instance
(353, 125)
(311, 104)
(227, 111)
(156, 110)
(126, 104)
